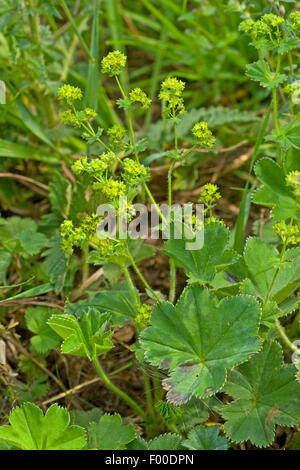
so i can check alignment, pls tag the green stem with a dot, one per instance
(172, 291)
(263, 64)
(284, 336)
(91, 131)
(129, 118)
(131, 286)
(117, 390)
(85, 265)
(184, 6)
(290, 63)
(170, 183)
(189, 151)
(153, 201)
(158, 392)
(275, 114)
(140, 275)
(148, 393)
(281, 259)
(172, 266)
(292, 122)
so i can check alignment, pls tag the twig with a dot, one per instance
(37, 363)
(93, 278)
(31, 301)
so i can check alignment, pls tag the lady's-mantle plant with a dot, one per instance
(225, 332)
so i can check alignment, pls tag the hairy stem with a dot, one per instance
(140, 275)
(131, 286)
(117, 390)
(284, 336)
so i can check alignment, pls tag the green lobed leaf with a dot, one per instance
(110, 433)
(205, 438)
(60, 195)
(45, 338)
(30, 429)
(117, 302)
(166, 442)
(20, 236)
(275, 193)
(86, 338)
(265, 394)
(56, 263)
(264, 76)
(262, 261)
(202, 264)
(5, 260)
(199, 339)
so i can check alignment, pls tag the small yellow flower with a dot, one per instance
(111, 188)
(68, 117)
(293, 91)
(139, 96)
(293, 179)
(209, 194)
(171, 92)
(203, 135)
(134, 172)
(246, 26)
(116, 134)
(110, 247)
(113, 63)
(295, 21)
(88, 114)
(267, 31)
(143, 316)
(69, 93)
(289, 234)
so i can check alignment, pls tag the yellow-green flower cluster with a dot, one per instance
(246, 26)
(69, 93)
(143, 316)
(171, 92)
(88, 114)
(193, 221)
(138, 96)
(115, 136)
(203, 135)
(134, 172)
(293, 180)
(113, 63)
(293, 91)
(68, 117)
(95, 167)
(295, 22)
(111, 188)
(209, 194)
(76, 236)
(76, 118)
(289, 234)
(90, 224)
(110, 247)
(128, 211)
(268, 30)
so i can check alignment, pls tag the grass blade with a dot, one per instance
(242, 217)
